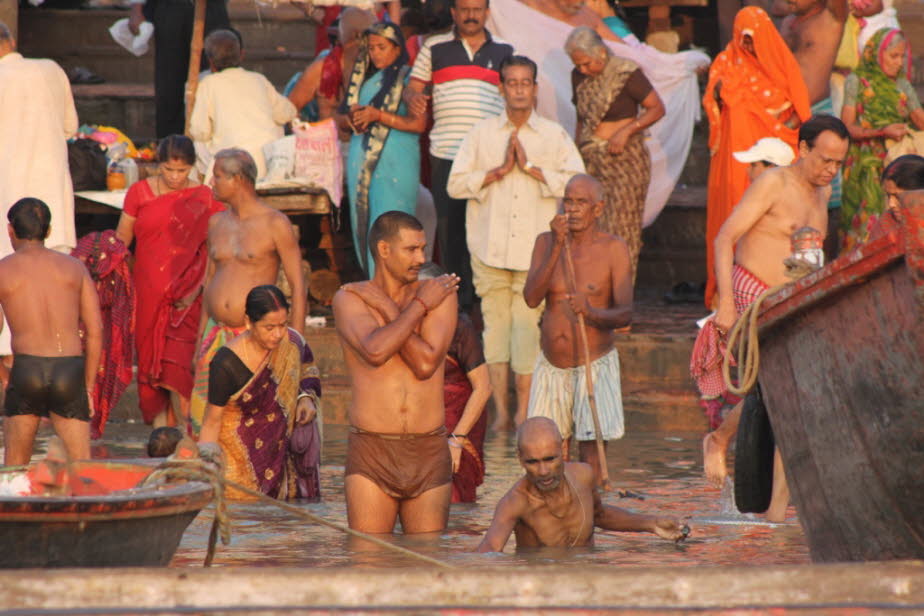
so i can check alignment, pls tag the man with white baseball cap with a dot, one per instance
(766, 153)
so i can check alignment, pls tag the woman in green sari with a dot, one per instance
(880, 105)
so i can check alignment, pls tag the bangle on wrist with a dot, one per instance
(417, 299)
(454, 435)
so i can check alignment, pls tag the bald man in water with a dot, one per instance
(555, 504)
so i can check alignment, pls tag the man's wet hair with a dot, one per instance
(518, 61)
(163, 441)
(388, 226)
(223, 48)
(176, 147)
(30, 218)
(818, 124)
(237, 163)
(906, 171)
(487, 4)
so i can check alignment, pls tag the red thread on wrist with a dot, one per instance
(426, 310)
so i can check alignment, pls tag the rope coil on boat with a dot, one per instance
(198, 470)
(743, 334)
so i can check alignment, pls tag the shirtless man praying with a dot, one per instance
(602, 292)
(246, 243)
(555, 504)
(751, 247)
(45, 296)
(395, 331)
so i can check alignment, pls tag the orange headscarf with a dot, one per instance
(760, 91)
(767, 81)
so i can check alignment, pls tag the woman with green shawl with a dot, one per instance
(383, 167)
(879, 105)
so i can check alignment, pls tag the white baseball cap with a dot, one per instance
(770, 149)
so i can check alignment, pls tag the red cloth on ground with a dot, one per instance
(465, 354)
(105, 256)
(710, 348)
(170, 261)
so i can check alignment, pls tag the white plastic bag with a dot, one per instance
(137, 45)
(317, 156)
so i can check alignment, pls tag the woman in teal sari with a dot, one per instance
(383, 168)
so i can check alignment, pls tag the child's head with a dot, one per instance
(163, 441)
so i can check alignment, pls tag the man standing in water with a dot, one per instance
(45, 296)
(246, 243)
(555, 504)
(395, 331)
(751, 247)
(602, 293)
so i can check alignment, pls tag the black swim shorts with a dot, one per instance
(43, 385)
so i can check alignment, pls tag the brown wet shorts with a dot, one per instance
(43, 385)
(402, 465)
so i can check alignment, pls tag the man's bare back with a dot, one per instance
(42, 292)
(574, 13)
(813, 33)
(794, 203)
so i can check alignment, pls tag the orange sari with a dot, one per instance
(760, 91)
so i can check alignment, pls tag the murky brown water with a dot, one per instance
(665, 468)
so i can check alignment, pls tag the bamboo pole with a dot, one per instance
(571, 279)
(195, 58)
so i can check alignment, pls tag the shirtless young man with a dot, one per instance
(45, 296)
(603, 294)
(395, 331)
(555, 503)
(751, 247)
(813, 32)
(247, 243)
(574, 13)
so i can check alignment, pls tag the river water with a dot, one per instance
(664, 468)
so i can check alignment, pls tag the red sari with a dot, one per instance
(464, 355)
(170, 261)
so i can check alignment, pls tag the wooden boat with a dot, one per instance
(842, 374)
(130, 526)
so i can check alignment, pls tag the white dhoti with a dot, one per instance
(561, 395)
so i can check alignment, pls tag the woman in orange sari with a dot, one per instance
(168, 217)
(755, 90)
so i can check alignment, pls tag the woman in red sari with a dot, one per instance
(168, 217)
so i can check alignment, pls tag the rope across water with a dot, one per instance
(197, 470)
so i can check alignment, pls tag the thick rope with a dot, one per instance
(743, 334)
(197, 470)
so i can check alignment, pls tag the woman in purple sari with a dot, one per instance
(264, 397)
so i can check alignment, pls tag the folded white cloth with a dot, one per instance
(137, 45)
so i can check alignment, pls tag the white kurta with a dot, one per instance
(37, 116)
(236, 108)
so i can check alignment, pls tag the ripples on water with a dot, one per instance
(665, 468)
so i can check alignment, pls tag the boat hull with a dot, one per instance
(842, 373)
(136, 527)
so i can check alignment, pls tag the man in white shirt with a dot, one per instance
(235, 108)
(37, 116)
(512, 168)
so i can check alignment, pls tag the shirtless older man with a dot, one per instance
(575, 13)
(555, 504)
(246, 243)
(752, 245)
(602, 292)
(395, 331)
(45, 296)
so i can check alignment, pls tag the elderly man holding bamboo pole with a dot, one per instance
(584, 276)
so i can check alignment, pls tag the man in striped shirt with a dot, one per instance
(461, 67)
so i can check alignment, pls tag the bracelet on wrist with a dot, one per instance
(417, 299)
(454, 435)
